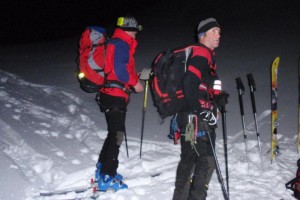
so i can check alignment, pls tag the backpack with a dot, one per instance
(92, 47)
(294, 184)
(168, 69)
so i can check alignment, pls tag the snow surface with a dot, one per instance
(51, 132)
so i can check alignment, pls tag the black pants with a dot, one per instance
(194, 172)
(115, 114)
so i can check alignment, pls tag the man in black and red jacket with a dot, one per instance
(202, 91)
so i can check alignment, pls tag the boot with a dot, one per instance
(107, 182)
(98, 172)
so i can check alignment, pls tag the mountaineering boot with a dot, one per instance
(107, 182)
(98, 172)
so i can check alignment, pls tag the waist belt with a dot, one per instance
(114, 84)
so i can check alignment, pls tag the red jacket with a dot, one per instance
(120, 64)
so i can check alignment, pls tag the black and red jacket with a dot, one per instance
(199, 79)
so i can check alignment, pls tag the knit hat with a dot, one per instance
(207, 24)
(128, 24)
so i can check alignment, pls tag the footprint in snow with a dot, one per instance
(69, 136)
(84, 150)
(60, 153)
(76, 162)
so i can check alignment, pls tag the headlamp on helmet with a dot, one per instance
(128, 24)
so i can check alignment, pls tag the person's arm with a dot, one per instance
(121, 60)
(193, 78)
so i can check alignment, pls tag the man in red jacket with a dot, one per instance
(121, 80)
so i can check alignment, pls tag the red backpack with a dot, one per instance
(92, 47)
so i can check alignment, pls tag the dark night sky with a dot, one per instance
(23, 21)
(28, 20)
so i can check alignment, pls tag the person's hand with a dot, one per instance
(221, 99)
(138, 87)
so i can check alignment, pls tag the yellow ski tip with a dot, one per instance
(276, 62)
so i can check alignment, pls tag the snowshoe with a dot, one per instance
(107, 182)
(98, 172)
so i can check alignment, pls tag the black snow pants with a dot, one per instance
(115, 114)
(194, 172)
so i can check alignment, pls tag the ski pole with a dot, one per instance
(252, 87)
(225, 194)
(143, 117)
(241, 90)
(223, 111)
(145, 74)
(126, 144)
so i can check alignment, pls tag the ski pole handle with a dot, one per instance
(241, 90)
(251, 82)
(240, 85)
(252, 87)
(145, 74)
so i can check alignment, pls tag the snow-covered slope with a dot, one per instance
(51, 131)
(49, 143)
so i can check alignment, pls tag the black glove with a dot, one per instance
(221, 99)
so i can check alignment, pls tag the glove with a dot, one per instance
(221, 99)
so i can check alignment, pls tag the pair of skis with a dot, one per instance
(241, 91)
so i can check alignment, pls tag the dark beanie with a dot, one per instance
(207, 24)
